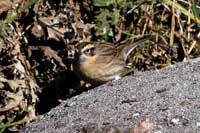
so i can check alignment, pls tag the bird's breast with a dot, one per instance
(92, 69)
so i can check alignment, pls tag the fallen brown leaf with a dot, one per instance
(144, 127)
(5, 5)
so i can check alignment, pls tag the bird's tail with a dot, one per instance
(132, 45)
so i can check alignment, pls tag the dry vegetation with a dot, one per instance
(37, 39)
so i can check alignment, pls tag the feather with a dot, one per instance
(128, 49)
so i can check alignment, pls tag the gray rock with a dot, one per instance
(168, 98)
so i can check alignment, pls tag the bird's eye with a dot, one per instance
(87, 51)
(90, 52)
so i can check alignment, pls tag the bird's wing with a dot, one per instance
(105, 53)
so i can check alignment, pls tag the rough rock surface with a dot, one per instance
(166, 100)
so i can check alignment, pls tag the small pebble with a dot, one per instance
(198, 124)
(175, 120)
(136, 114)
(159, 131)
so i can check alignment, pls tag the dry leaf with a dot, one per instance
(37, 31)
(5, 5)
(16, 99)
(144, 127)
(52, 54)
(54, 32)
(14, 84)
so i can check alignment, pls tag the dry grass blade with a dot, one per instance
(182, 10)
(172, 25)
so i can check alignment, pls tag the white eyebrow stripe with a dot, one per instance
(89, 46)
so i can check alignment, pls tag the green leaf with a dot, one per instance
(103, 2)
(116, 16)
(195, 10)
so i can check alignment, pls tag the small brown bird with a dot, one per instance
(99, 62)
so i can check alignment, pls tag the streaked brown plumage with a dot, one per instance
(99, 62)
